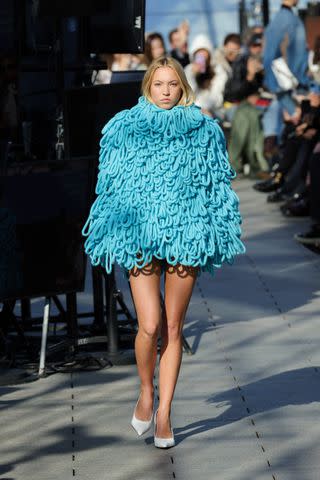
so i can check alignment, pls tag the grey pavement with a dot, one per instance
(247, 402)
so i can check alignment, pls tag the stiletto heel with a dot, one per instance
(162, 442)
(140, 426)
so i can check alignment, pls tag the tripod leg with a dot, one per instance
(124, 308)
(25, 309)
(72, 325)
(44, 336)
(111, 309)
(98, 307)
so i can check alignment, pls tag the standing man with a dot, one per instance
(178, 39)
(285, 37)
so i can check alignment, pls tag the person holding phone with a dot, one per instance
(208, 86)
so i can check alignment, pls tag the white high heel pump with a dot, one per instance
(162, 442)
(140, 426)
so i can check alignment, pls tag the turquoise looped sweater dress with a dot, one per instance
(163, 191)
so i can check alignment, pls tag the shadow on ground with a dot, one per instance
(295, 387)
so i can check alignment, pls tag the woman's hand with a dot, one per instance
(310, 133)
(295, 118)
(300, 129)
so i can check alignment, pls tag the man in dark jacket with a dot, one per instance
(247, 73)
(242, 90)
(178, 38)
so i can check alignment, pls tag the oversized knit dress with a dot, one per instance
(163, 191)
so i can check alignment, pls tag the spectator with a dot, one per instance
(247, 72)
(242, 91)
(138, 62)
(116, 62)
(223, 60)
(225, 56)
(121, 62)
(312, 236)
(154, 47)
(250, 31)
(178, 39)
(300, 138)
(103, 76)
(284, 37)
(207, 87)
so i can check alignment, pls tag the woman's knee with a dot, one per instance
(149, 329)
(172, 330)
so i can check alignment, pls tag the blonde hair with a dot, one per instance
(187, 97)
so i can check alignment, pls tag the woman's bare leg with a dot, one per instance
(179, 283)
(145, 287)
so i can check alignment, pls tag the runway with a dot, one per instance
(247, 402)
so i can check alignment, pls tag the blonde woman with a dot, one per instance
(164, 205)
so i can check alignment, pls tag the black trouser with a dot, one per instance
(294, 164)
(315, 187)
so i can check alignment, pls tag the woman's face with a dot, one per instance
(165, 88)
(157, 49)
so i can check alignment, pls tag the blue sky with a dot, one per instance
(213, 17)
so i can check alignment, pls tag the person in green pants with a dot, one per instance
(246, 138)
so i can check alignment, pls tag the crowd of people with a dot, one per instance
(264, 87)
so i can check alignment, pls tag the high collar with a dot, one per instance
(176, 121)
(144, 102)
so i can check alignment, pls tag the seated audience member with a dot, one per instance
(114, 62)
(121, 62)
(178, 39)
(137, 62)
(225, 56)
(247, 72)
(223, 60)
(207, 86)
(298, 142)
(154, 47)
(248, 34)
(312, 236)
(242, 90)
(245, 145)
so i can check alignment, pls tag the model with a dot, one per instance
(164, 204)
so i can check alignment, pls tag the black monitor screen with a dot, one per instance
(43, 208)
(127, 76)
(119, 30)
(88, 109)
(114, 26)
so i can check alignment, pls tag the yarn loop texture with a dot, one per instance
(163, 191)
